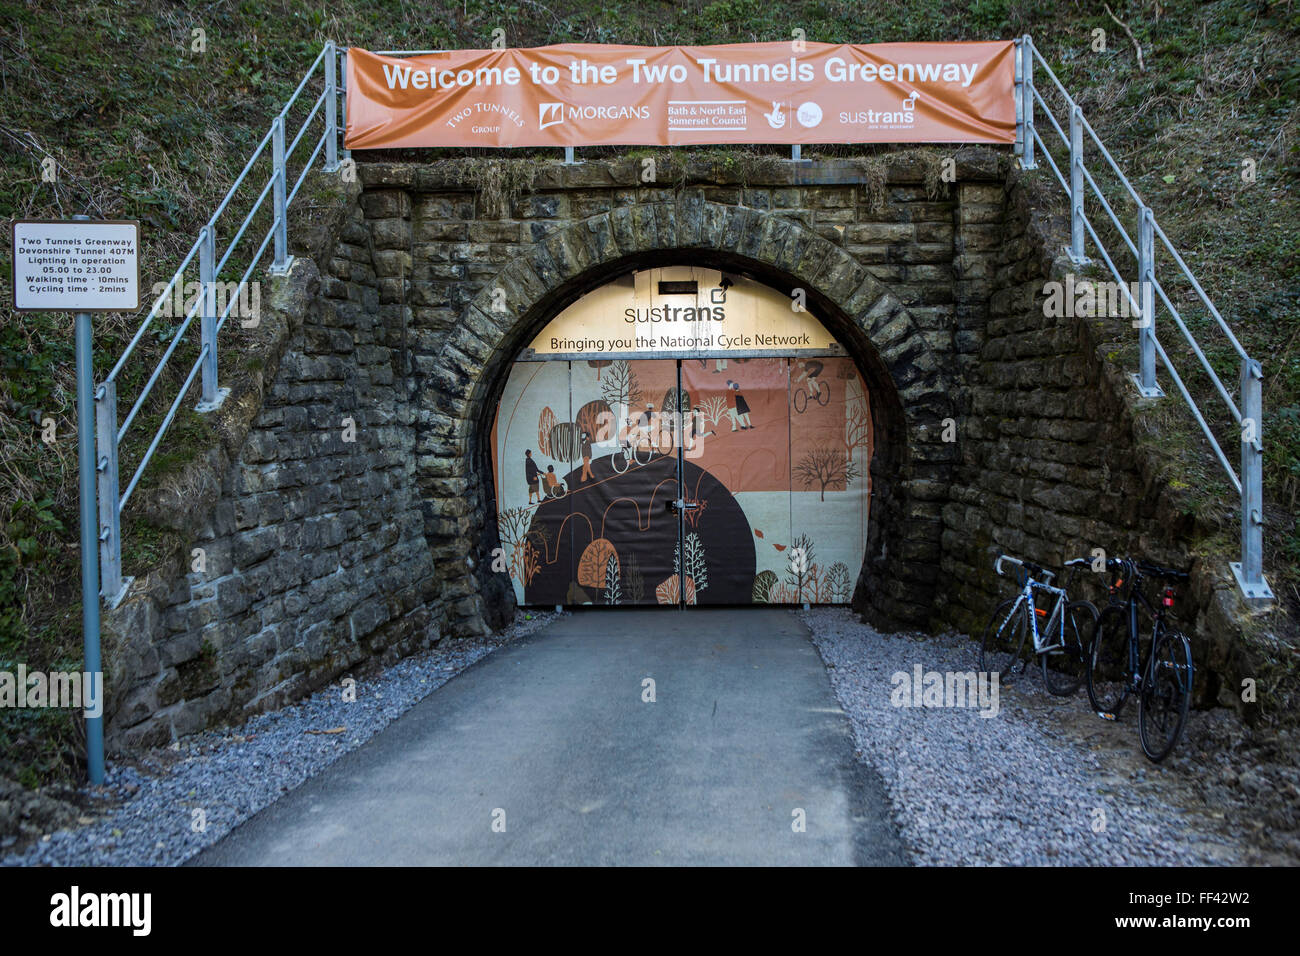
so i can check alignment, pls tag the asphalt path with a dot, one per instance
(550, 752)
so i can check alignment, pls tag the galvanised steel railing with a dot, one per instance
(109, 434)
(1080, 183)
(212, 265)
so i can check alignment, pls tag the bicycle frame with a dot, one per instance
(1134, 600)
(1057, 618)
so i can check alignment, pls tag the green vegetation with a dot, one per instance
(140, 126)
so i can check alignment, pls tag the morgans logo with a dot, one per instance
(549, 114)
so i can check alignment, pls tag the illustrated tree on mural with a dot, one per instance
(565, 442)
(696, 569)
(713, 409)
(534, 546)
(677, 400)
(635, 581)
(620, 388)
(836, 584)
(764, 582)
(593, 566)
(693, 515)
(857, 427)
(613, 587)
(825, 465)
(513, 525)
(545, 423)
(594, 418)
(532, 563)
(669, 590)
(801, 569)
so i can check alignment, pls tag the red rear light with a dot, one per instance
(1169, 597)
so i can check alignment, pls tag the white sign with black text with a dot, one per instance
(76, 266)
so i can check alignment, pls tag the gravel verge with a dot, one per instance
(148, 810)
(1044, 782)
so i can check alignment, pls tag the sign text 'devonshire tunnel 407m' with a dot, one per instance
(76, 266)
(594, 95)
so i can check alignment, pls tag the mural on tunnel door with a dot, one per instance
(772, 471)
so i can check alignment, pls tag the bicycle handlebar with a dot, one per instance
(1131, 568)
(1035, 569)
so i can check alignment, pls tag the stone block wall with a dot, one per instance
(313, 557)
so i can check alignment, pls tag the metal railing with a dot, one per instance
(213, 262)
(1082, 187)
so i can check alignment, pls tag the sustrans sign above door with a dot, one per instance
(594, 95)
(682, 312)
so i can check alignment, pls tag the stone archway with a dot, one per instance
(912, 392)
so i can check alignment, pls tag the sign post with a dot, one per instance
(81, 266)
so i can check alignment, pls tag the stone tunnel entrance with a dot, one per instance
(874, 352)
(713, 444)
(990, 426)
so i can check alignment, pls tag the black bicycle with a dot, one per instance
(1161, 677)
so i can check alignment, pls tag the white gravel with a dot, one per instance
(149, 812)
(1045, 782)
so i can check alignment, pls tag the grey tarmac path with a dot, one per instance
(745, 729)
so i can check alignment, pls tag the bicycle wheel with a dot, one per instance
(1108, 685)
(619, 461)
(1166, 695)
(824, 395)
(1003, 638)
(638, 451)
(1066, 668)
(798, 395)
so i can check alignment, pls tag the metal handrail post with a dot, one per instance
(280, 265)
(1077, 254)
(112, 587)
(210, 397)
(1146, 324)
(343, 86)
(1250, 572)
(331, 110)
(1027, 100)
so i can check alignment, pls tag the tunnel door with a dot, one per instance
(682, 481)
(588, 476)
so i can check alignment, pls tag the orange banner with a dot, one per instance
(594, 95)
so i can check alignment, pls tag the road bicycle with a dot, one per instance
(801, 397)
(1062, 644)
(1161, 677)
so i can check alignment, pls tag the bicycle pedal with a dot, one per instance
(1105, 716)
